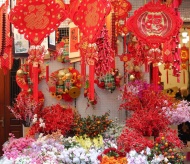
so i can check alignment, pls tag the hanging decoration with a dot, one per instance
(24, 78)
(65, 84)
(36, 54)
(63, 51)
(184, 58)
(90, 17)
(109, 81)
(121, 9)
(36, 19)
(105, 55)
(167, 58)
(6, 59)
(91, 102)
(153, 24)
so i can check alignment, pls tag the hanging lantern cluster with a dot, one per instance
(154, 24)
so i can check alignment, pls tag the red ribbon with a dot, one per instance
(35, 80)
(47, 73)
(155, 76)
(91, 82)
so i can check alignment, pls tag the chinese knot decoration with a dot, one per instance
(36, 19)
(90, 17)
(154, 23)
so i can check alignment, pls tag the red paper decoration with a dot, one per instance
(90, 17)
(36, 19)
(6, 58)
(121, 9)
(154, 23)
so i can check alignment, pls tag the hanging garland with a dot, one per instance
(65, 84)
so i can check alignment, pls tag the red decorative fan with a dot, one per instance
(90, 17)
(36, 19)
(154, 23)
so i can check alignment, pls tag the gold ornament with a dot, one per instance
(29, 90)
(60, 82)
(59, 58)
(74, 92)
(20, 73)
(61, 73)
(69, 75)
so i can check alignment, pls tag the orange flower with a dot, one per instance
(53, 94)
(59, 97)
(113, 160)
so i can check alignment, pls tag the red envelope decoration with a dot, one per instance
(90, 17)
(154, 23)
(36, 19)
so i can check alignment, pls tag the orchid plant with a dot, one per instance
(179, 113)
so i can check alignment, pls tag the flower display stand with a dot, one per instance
(25, 130)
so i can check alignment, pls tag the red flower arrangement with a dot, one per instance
(139, 95)
(148, 121)
(25, 106)
(51, 119)
(148, 117)
(130, 139)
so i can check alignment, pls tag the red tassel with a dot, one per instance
(155, 76)
(91, 82)
(146, 66)
(184, 76)
(30, 70)
(178, 79)
(83, 66)
(167, 79)
(35, 80)
(47, 72)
